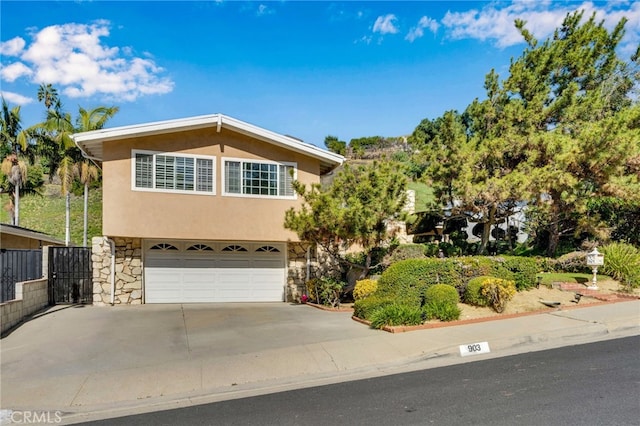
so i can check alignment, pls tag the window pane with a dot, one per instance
(165, 172)
(286, 180)
(144, 171)
(232, 177)
(184, 173)
(205, 175)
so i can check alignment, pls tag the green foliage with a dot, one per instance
(620, 216)
(404, 252)
(441, 302)
(442, 311)
(498, 292)
(396, 314)
(572, 262)
(363, 308)
(622, 262)
(523, 270)
(353, 210)
(441, 293)
(334, 145)
(325, 291)
(364, 288)
(46, 213)
(473, 292)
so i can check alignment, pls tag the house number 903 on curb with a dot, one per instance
(474, 349)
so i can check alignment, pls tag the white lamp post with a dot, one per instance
(594, 259)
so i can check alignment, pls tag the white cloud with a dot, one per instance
(418, 31)
(496, 23)
(15, 98)
(12, 47)
(74, 57)
(14, 71)
(385, 25)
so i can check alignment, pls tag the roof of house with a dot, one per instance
(91, 143)
(19, 231)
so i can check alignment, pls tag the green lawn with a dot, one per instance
(424, 195)
(46, 213)
(568, 277)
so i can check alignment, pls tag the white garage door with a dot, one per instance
(183, 272)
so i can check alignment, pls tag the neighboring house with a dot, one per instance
(194, 210)
(16, 237)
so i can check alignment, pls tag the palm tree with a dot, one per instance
(86, 170)
(14, 170)
(63, 155)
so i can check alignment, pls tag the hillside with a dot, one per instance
(46, 213)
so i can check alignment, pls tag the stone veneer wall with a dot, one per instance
(321, 265)
(128, 278)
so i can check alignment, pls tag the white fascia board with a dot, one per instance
(90, 143)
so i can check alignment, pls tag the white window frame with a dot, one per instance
(173, 154)
(223, 178)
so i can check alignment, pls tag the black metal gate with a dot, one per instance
(70, 275)
(17, 266)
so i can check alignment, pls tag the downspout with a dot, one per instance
(112, 277)
(308, 264)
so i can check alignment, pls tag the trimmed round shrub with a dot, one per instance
(363, 308)
(441, 293)
(573, 262)
(364, 288)
(441, 302)
(396, 314)
(473, 292)
(498, 292)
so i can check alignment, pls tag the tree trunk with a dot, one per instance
(486, 230)
(16, 213)
(554, 224)
(86, 205)
(67, 227)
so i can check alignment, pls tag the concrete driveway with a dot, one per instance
(95, 362)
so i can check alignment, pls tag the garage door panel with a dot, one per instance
(193, 277)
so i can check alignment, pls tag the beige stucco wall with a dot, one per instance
(129, 213)
(18, 242)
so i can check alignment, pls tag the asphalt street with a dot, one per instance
(590, 384)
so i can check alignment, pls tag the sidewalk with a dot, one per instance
(170, 356)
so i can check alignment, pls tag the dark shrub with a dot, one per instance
(575, 261)
(523, 271)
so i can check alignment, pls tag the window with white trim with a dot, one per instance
(173, 172)
(258, 178)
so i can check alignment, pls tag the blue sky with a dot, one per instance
(302, 68)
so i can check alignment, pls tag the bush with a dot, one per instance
(523, 270)
(364, 288)
(575, 261)
(498, 292)
(442, 311)
(622, 263)
(404, 252)
(441, 293)
(473, 292)
(441, 302)
(363, 308)
(396, 314)
(328, 290)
